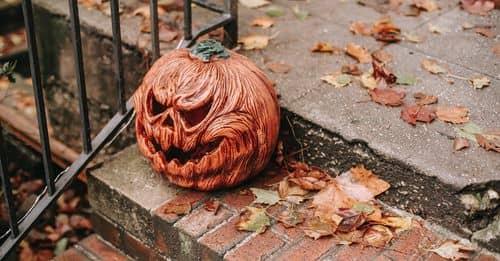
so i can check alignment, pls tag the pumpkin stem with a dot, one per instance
(206, 48)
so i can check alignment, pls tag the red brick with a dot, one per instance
(134, 248)
(102, 250)
(106, 229)
(292, 233)
(194, 198)
(307, 249)
(201, 220)
(486, 258)
(223, 238)
(435, 257)
(72, 255)
(256, 248)
(356, 252)
(411, 245)
(236, 200)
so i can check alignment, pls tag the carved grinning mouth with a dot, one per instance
(195, 154)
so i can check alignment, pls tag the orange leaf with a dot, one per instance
(424, 99)
(279, 67)
(489, 142)
(360, 28)
(414, 113)
(460, 143)
(263, 21)
(324, 47)
(360, 53)
(453, 114)
(387, 96)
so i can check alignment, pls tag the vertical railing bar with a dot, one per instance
(80, 75)
(117, 51)
(188, 34)
(7, 188)
(38, 93)
(155, 37)
(231, 29)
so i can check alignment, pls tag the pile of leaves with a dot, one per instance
(59, 227)
(343, 207)
(12, 41)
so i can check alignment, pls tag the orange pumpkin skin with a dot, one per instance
(206, 125)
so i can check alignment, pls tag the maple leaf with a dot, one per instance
(254, 219)
(427, 5)
(453, 114)
(479, 82)
(254, 3)
(279, 67)
(424, 99)
(477, 7)
(254, 41)
(414, 113)
(263, 196)
(315, 228)
(177, 208)
(460, 143)
(377, 236)
(433, 66)
(452, 250)
(358, 52)
(324, 47)
(360, 28)
(387, 96)
(337, 79)
(263, 21)
(212, 206)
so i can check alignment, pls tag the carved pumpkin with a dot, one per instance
(207, 117)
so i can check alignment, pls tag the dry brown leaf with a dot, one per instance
(424, 99)
(359, 176)
(279, 67)
(167, 35)
(351, 220)
(414, 113)
(254, 3)
(485, 32)
(360, 53)
(427, 5)
(377, 236)
(479, 82)
(254, 42)
(386, 31)
(144, 11)
(382, 56)
(360, 28)
(329, 200)
(290, 217)
(460, 143)
(387, 96)
(433, 66)
(368, 81)
(477, 7)
(488, 142)
(381, 73)
(452, 250)
(177, 208)
(324, 47)
(496, 49)
(453, 114)
(254, 219)
(351, 69)
(263, 21)
(316, 228)
(337, 79)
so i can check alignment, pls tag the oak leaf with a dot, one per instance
(387, 96)
(453, 114)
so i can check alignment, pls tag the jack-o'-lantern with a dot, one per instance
(207, 117)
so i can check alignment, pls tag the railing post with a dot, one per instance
(155, 41)
(231, 29)
(188, 33)
(117, 51)
(7, 188)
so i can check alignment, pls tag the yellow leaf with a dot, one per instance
(337, 79)
(368, 81)
(263, 21)
(254, 220)
(254, 41)
(433, 67)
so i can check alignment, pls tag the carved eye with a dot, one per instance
(155, 107)
(194, 117)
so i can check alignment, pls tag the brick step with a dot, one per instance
(129, 199)
(92, 248)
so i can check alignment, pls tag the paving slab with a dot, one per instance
(348, 111)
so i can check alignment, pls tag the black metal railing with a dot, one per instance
(54, 185)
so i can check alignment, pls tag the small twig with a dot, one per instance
(295, 137)
(296, 152)
(456, 77)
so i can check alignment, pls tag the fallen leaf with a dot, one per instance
(406, 79)
(263, 196)
(279, 67)
(329, 200)
(338, 80)
(411, 10)
(387, 96)
(467, 26)
(362, 207)
(324, 47)
(355, 236)
(351, 220)
(479, 82)
(61, 246)
(177, 208)
(460, 143)
(382, 56)
(316, 228)
(380, 72)
(496, 49)
(308, 178)
(254, 3)
(360, 28)
(453, 250)
(299, 13)
(469, 131)
(254, 41)
(212, 205)
(167, 35)
(360, 53)
(351, 69)
(433, 66)
(80, 222)
(368, 81)
(414, 113)
(427, 5)
(411, 37)
(477, 7)
(286, 189)
(386, 31)
(424, 99)
(275, 11)
(453, 114)
(361, 184)
(489, 142)
(485, 32)
(254, 219)
(144, 11)
(290, 218)
(436, 29)
(377, 236)
(263, 21)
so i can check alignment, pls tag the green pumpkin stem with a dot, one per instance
(205, 49)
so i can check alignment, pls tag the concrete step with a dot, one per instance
(128, 200)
